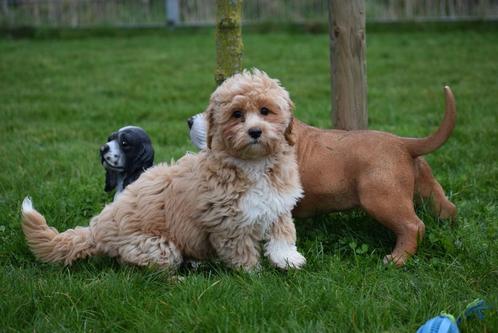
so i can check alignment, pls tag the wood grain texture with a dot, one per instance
(348, 64)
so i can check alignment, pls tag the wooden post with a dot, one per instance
(36, 13)
(52, 19)
(73, 5)
(408, 9)
(146, 10)
(228, 39)
(5, 9)
(348, 64)
(172, 12)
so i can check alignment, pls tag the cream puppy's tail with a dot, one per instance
(48, 244)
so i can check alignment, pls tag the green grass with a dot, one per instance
(59, 99)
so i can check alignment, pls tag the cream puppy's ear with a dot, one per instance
(289, 134)
(209, 113)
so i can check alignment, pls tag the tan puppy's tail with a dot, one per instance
(48, 244)
(417, 147)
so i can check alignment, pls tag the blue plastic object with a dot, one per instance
(446, 323)
(474, 309)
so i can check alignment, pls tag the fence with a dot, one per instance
(140, 13)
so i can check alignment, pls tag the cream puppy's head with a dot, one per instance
(249, 116)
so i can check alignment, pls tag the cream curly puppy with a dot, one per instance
(220, 202)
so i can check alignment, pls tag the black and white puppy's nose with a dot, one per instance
(104, 149)
(254, 132)
(190, 122)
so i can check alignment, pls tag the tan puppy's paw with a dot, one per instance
(284, 255)
(399, 261)
(448, 211)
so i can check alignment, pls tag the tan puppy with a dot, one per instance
(221, 202)
(377, 171)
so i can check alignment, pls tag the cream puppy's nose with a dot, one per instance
(255, 132)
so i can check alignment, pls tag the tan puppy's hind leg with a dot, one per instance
(428, 188)
(393, 207)
(403, 221)
(408, 235)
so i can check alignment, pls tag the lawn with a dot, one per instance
(59, 99)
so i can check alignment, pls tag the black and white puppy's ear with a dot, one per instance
(140, 162)
(111, 180)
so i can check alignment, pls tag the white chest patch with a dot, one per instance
(262, 204)
(119, 186)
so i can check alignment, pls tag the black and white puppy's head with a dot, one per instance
(127, 153)
(198, 130)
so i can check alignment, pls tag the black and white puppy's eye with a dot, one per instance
(264, 111)
(237, 114)
(124, 143)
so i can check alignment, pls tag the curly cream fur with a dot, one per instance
(220, 202)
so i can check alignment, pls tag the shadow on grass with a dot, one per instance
(344, 233)
(352, 234)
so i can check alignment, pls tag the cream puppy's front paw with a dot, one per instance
(284, 255)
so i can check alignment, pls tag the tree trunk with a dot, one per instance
(228, 39)
(348, 64)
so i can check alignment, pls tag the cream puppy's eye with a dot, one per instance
(264, 111)
(237, 114)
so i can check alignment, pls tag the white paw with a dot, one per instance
(284, 255)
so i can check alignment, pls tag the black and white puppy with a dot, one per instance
(127, 153)
(198, 130)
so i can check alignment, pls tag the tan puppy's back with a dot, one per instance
(344, 169)
(331, 163)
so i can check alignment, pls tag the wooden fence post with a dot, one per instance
(74, 11)
(5, 13)
(228, 39)
(172, 12)
(52, 14)
(348, 64)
